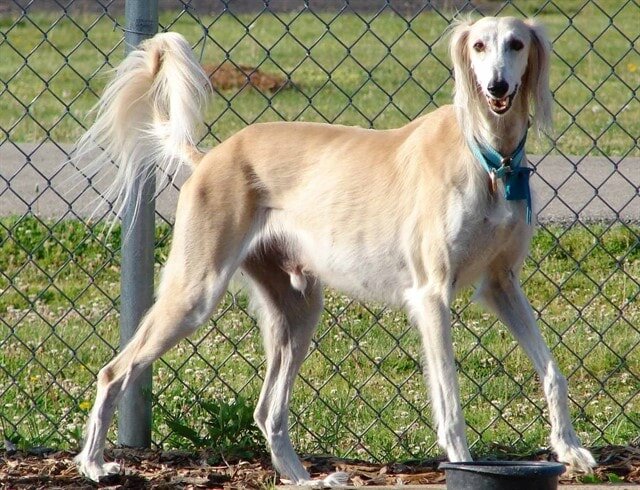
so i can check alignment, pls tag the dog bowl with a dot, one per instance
(502, 475)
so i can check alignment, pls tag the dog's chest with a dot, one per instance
(485, 232)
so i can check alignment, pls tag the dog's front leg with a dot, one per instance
(429, 306)
(503, 294)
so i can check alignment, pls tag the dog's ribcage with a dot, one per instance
(358, 247)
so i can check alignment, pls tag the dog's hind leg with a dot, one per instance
(207, 249)
(503, 294)
(287, 319)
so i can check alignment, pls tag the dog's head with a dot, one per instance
(497, 59)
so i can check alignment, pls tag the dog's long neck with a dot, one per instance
(505, 132)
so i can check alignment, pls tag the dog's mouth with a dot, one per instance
(501, 106)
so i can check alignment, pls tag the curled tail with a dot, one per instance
(147, 117)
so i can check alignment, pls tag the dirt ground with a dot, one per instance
(154, 469)
(230, 76)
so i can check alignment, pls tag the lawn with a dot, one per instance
(374, 70)
(360, 393)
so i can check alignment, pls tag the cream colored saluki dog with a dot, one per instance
(407, 216)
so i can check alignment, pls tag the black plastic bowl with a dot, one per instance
(502, 475)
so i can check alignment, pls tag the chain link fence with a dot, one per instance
(374, 64)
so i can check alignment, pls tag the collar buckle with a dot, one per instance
(505, 164)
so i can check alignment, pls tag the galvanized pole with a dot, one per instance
(136, 280)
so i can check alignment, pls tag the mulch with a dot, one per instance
(155, 469)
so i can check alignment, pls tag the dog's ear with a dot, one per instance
(536, 79)
(465, 85)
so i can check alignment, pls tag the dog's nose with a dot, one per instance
(498, 88)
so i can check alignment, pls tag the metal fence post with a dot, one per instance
(136, 281)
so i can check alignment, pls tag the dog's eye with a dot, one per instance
(515, 45)
(479, 46)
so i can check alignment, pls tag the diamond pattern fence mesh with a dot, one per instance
(374, 64)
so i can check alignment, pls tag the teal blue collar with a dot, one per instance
(514, 176)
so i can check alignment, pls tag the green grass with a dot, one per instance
(343, 73)
(361, 392)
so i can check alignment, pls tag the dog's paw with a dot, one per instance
(578, 460)
(95, 470)
(337, 479)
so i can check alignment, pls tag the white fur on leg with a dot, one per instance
(336, 479)
(90, 461)
(564, 439)
(578, 459)
(286, 461)
(430, 309)
(506, 298)
(94, 469)
(287, 326)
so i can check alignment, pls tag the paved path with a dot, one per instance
(34, 178)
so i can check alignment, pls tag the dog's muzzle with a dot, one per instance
(502, 105)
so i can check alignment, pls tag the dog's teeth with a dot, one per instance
(498, 105)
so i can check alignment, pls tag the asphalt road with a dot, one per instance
(35, 179)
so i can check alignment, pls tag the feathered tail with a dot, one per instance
(148, 116)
